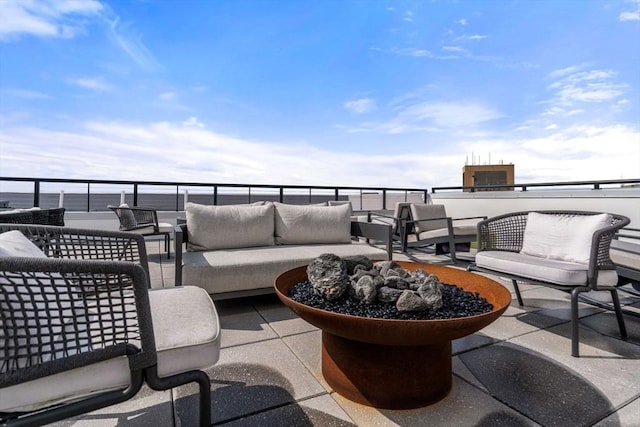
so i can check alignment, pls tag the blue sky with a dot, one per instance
(324, 92)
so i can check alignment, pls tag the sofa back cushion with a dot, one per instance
(562, 237)
(304, 224)
(227, 227)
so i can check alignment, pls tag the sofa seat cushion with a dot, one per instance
(186, 329)
(543, 269)
(458, 231)
(231, 270)
(231, 226)
(163, 227)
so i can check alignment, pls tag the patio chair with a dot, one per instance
(398, 220)
(80, 329)
(566, 250)
(432, 227)
(143, 221)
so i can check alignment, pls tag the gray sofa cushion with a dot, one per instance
(230, 270)
(233, 226)
(303, 224)
(538, 268)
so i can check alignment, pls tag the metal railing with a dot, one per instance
(596, 185)
(214, 193)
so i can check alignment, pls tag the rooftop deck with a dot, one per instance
(518, 371)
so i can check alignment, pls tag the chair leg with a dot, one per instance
(616, 305)
(167, 245)
(200, 377)
(517, 289)
(575, 340)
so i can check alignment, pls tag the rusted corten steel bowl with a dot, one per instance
(394, 364)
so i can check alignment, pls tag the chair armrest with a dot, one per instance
(181, 236)
(103, 307)
(373, 231)
(502, 233)
(469, 217)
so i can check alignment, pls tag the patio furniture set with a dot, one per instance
(77, 302)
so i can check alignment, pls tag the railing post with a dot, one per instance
(36, 193)
(281, 195)
(215, 195)
(61, 199)
(336, 194)
(135, 194)
(384, 199)
(88, 197)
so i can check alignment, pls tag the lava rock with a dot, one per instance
(357, 260)
(411, 301)
(431, 293)
(328, 276)
(365, 290)
(385, 266)
(396, 282)
(388, 295)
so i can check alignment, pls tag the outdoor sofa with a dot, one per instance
(239, 250)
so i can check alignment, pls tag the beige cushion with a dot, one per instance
(423, 211)
(230, 270)
(562, 237)
(458, 231)
(304, 224)
(233, 226)
(14, 244)
(543, 269)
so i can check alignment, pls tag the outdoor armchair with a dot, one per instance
(143, 221)
(398, 220)
(432, 227)
(80, 329)
(566, 250)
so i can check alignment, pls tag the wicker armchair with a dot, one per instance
(52, 216)
(501, 241)
(144, 221)
(80, 329)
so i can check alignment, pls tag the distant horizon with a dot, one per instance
(353, 93)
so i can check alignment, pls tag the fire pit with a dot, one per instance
(388, 363)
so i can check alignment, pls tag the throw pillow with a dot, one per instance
(562, 237)
(304, 224)
(227, 227)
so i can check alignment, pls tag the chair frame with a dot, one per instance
(89, 262)
(140, 219)
(505, 233)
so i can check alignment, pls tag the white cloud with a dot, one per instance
(131, 43)
(360, 106)
(45, 18)
(408, 16)
(167, 96)
(26, 94)
(461, 21)
(574, 85)
(96, 83)
(454, 48)
(631, 15)
(430, 117)
(193, 122)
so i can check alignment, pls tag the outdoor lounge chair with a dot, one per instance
(566, 250)
(398, 220)
(432, 227)
(80, 329)
(144, 221)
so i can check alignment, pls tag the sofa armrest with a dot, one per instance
(374, 231)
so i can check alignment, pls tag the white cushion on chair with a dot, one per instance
(543, 269)
(562, 237)
(14, 244)
(186, 329)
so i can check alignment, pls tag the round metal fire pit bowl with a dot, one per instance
(394, 364)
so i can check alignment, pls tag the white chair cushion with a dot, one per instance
(304, 224)
(186, 329)
(233, 226)
(14, 244)
(543, 269)
(562, 237)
